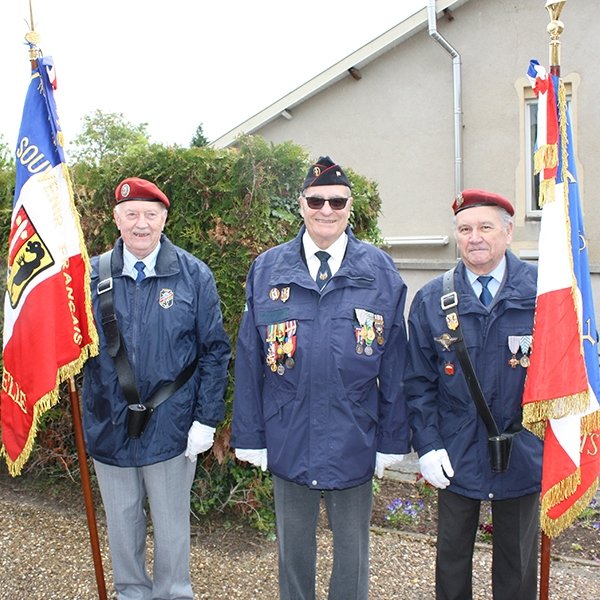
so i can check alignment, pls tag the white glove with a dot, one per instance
(436, 468)
(200, 439)
(383, 461)
(258, 457)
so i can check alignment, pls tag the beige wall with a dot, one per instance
(396, 124)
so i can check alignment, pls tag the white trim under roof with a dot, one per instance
(358, 59)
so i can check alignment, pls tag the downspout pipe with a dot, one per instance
(457, 89)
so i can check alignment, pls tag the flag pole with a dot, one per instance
(87, 489)
(554, 29)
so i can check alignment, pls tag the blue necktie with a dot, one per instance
(139, 267)
(324, 272)
(485, 296)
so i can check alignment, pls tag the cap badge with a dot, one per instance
(125, 189)
(338, 174)
(459, 200)
(316, 171)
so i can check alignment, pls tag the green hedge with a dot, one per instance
(227, 206)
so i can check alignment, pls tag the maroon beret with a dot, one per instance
(134, 188)
(471, 198)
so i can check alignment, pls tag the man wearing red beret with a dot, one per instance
(154, 395)
(470, 441)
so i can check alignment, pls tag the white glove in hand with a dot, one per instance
(384, 461)
(436, 468)
(200, 439)
(257, 457)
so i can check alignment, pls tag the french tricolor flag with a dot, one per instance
(560, 401)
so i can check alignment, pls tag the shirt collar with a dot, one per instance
(129, 260)
(336, 250)
(497, 274)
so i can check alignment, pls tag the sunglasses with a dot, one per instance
(316, 203)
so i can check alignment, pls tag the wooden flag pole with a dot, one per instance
(87, 490)
(554, 28)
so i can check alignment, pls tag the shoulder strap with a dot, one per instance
(114, 343)
(449, 303)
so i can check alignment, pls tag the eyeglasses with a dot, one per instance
(316, 203)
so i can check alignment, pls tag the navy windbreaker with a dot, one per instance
(323, 420)
(167, 321)
(441, 410)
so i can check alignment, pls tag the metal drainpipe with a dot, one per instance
(457, 86)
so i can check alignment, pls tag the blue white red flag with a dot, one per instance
(560, 400)
(48, 324)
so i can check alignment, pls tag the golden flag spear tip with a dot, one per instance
(555, 28)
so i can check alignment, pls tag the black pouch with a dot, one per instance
(500, 447)
(137, 418)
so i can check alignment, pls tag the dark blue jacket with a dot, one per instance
(441, 410)
(323, 420)
(166, 321)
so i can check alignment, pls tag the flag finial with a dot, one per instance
(555, 28)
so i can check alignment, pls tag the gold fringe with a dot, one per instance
(546, 191)
(554, 527)
(545, 157)
(536, 414)
(590, 423)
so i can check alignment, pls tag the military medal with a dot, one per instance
(369, 334)
(525, 344)
(513, 346)
(378, 325)
(360, 330)
(289, 346)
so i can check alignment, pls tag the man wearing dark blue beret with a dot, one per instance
(466, 420)
(318, 399)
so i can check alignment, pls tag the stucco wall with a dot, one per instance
(396, 124)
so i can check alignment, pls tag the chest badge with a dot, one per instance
(446, 340)
(166, 297)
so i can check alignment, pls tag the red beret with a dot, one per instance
(134, 188)
(471, 198)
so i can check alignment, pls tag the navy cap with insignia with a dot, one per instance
(471, 198)
(325, 172)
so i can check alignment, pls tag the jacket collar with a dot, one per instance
(291, 263)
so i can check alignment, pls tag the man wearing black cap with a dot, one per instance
(482, 312)
(320, 352)
(154, 395)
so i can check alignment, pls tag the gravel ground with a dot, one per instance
(45, 555)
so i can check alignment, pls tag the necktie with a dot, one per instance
(485, 296)
(324, 272)
(139, 267)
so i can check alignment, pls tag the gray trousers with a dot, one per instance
(167, 487)
(514, 547)
(297, 514)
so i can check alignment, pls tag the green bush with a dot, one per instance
(227, 206)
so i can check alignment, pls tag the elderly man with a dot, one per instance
(480, 312)
(154, 395)
(317, 397)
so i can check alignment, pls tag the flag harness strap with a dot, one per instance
(116, 347)
(499, 444)
(449, 303)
